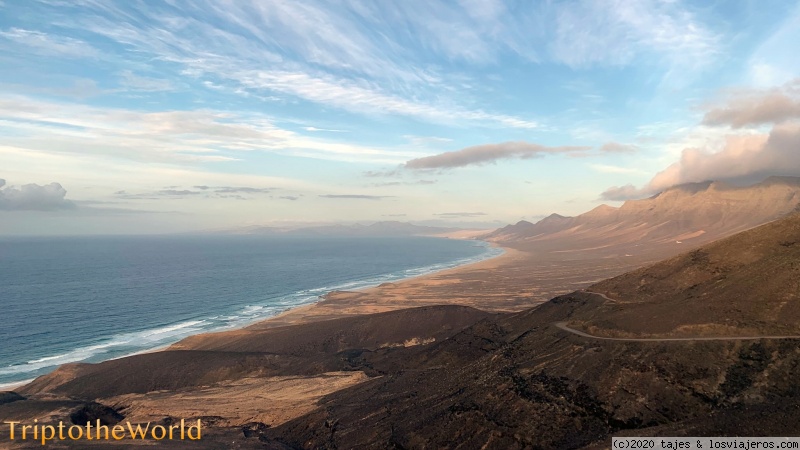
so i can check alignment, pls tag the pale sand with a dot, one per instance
(238, 402)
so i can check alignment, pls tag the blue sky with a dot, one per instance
(174, 116)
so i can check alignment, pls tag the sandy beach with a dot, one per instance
(518, 279)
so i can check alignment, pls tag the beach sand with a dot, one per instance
(518, 279)
(238, 402)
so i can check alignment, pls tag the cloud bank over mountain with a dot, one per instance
(746, 156)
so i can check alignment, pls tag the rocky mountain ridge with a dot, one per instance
(691, 213)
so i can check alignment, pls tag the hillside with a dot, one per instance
(746, 283)
(682, 216)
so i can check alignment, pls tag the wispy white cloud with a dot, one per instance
(189, 136)
(363, 98)
(133, 174)
(477, 32)
(608, 168)
(135, 82)
(617, 32)
(202, 191)
(321, 34)
(341, 64)
(395, 173)
(314, 129)
(423, 141)
(378, 59)
(77, 88)
(404, 183)
(22, 40)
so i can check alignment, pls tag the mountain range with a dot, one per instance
(689, 214)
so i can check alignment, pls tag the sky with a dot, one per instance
(138, 117)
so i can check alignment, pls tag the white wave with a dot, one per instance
(251, 309)
(146, 338)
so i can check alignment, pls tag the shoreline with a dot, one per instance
(286, 316)
(12, 385)
(319, 310)
(382, 298)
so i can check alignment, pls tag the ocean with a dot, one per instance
(90, 299)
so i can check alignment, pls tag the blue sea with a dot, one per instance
(91, 299)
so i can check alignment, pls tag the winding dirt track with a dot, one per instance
(563, 326)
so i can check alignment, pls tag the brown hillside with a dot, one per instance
(747, 283)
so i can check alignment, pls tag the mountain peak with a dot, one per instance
(600, 210)
(692, 213)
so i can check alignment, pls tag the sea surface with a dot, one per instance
(91, 299)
